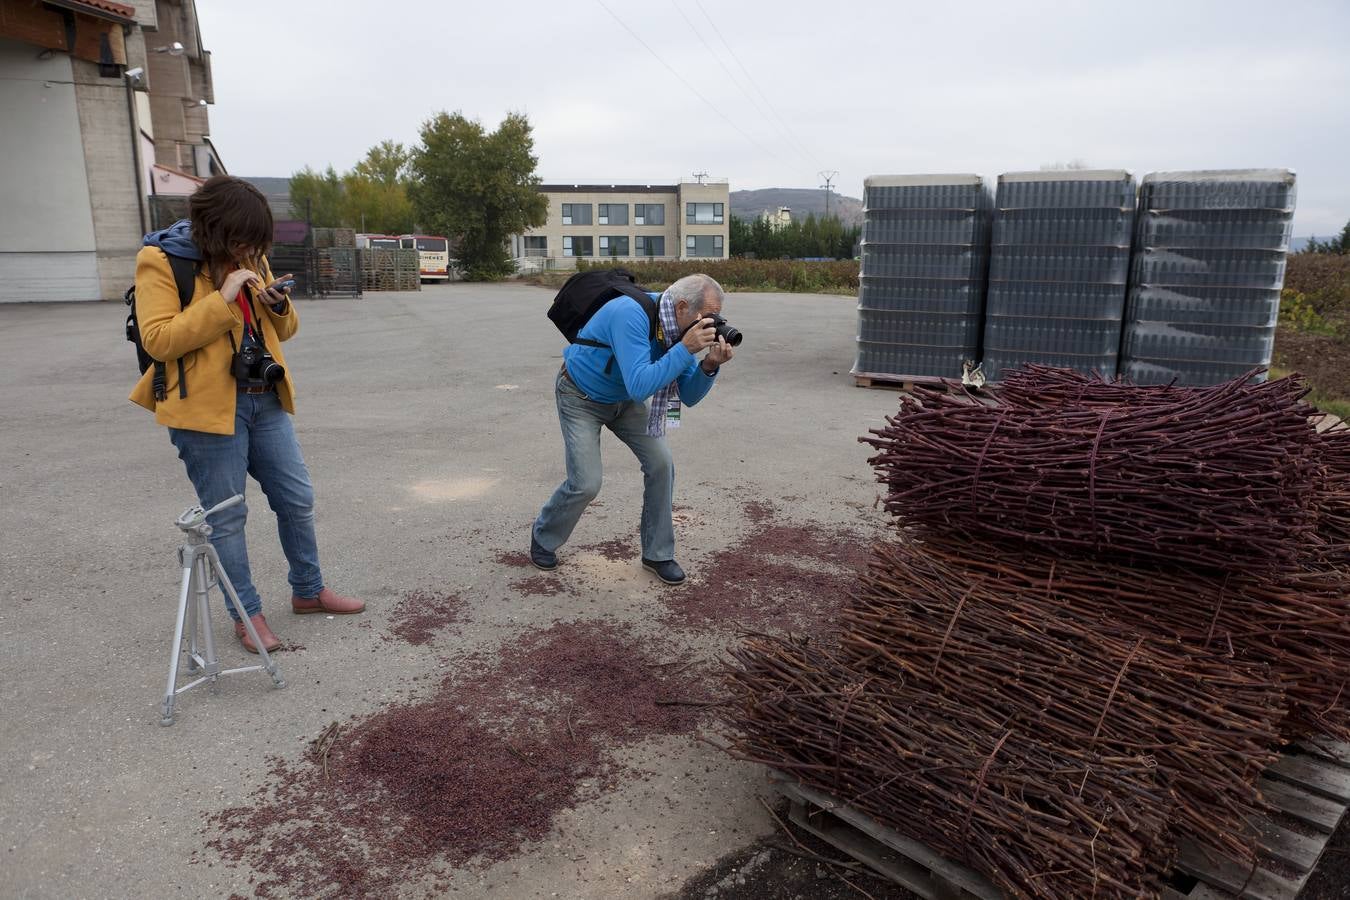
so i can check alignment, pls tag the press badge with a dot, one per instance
(673, 411)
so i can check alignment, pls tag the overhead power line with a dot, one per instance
(791, 143)
(693, 90)
(732, 53)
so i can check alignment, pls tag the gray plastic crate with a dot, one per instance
(901, 359)
(1253, 307)
(1262, 269)
(997, 362)
(923, 261)
(1061, 265)
(1062, 301)
(1227, 344)
(1080, 227)
(1227, 229)
(925, 329)
(1219, 189)
(1076, 337)
(963, 191)
(1070, 189)
(1184, 372)
(924, 226)
(937, 295)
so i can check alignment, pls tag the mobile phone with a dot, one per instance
(283, 285)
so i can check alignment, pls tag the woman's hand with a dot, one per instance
(236, 280)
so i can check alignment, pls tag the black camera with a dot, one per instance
(725, 331)
(252, 364)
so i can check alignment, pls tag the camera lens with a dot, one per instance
(272, 372)
(731, 335)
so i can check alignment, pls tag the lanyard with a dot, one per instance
(245, 300)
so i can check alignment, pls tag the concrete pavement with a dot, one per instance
(428, 423)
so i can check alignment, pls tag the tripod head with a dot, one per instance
(193, 519)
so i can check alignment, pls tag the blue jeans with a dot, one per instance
(263, 445)
(582, 418)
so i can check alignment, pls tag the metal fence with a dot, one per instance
(166, 209)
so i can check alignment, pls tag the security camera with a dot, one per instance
(135, 74)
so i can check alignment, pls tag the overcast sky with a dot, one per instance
(769, 94)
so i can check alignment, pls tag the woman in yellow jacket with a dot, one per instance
(227, 395)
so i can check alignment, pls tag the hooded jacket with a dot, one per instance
(200, 334)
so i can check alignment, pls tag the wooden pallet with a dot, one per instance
(973, 378)
(904, 383)
(1310, 785)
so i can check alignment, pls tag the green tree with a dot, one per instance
(386, 163)
(1339, 244)
(317, 196)
(810, 237)
(478, 187)
(372, 197)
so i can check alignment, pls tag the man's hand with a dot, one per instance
(236, 280)
(719, 353)
(700, 335)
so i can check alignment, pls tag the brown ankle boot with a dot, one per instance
(269, 640)
(326, 602)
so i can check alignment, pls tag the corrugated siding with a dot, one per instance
(51, 276)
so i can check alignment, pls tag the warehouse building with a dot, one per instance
(104, 110)
(687, 220)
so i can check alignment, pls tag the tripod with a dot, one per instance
(202, 571)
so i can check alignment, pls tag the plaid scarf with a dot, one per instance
(667, 400)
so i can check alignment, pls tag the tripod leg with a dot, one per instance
(166, 712)
(203, 607)
(228, 587)
(190, 626)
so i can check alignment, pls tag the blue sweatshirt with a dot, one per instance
(639, 369)
(176, 240)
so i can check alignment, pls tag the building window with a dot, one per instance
(613, 213)
(703, 213)
(649, 214)
(579, 246)
(536, 246)
(616, 245)
(576, 214)
(650, 246)
(704, 244)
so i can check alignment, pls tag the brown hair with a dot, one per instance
(226, 212)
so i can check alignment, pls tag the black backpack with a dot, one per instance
(185, 276)
(584, 293)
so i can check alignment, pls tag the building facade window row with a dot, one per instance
(643, 214)
(615, 214)
(609, 245)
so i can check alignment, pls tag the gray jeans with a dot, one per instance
(581, 419)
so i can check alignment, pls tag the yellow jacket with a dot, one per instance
(199, 333)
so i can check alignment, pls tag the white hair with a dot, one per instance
(694, 289)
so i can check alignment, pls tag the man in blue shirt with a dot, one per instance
(608, 385)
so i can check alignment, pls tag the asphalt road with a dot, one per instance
(429, 426)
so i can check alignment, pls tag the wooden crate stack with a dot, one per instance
(391, 270)
(334, 238)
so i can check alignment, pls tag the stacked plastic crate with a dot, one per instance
(1058, 270)
(1206, 276)
(925, 250)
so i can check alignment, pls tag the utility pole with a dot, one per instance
(700, 176)
(828, 176)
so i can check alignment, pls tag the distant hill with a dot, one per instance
(749, 204)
